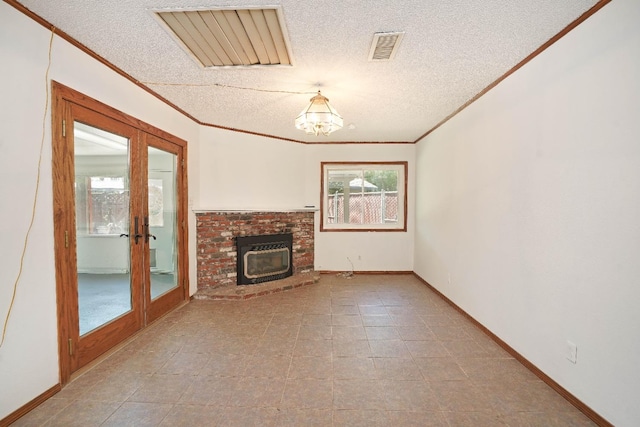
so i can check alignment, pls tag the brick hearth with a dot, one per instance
(217, 251)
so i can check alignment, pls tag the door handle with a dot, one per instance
(136, 236)
(124, 235)
(146, 230)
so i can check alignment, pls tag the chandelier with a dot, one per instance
(319, 118)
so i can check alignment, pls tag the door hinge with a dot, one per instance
(64, 128)
(66, 239)
(183, 162)
(70, 347)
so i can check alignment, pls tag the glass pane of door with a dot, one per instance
(102, 226)
(162, 220)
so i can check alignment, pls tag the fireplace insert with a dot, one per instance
(264, 258)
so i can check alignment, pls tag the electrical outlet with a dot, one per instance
(449, 278)
(572, 352)
(359, 257)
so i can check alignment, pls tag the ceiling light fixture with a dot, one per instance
(319, 117)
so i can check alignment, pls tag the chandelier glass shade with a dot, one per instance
(319, 117)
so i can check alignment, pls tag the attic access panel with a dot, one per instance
(229, 37)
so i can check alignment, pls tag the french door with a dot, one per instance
(119, 191)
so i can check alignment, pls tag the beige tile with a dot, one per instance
(416, 333)
(185, 363)
(315, 332)
(44, 412)
(308, 393)
(414, 396)
(235, 345)
(162, 389)
(478, 418)
(289, 307)
(357, 394)
(294, 417)
(148, 362)
(491, 347)
(317, 319)
(544, 398)
(346, 320)
(394, 368)
(426, 349)
(372, 309)
(438, 319)
(377, 320)
(490, 369)
(191, 416)
(465, 348)
(360, 418)
(138, 414)
(403, 307)
(268, 366)
(287, 318)
(355, 348)
(343, 300)
(276, 346)
(311, 367)
(281, 332)
(389, 348)
(449, 332)
(344, 310)
(440, 368)
(368, 298)
(317, 307)
(207, 390)
(407, 320)
(505, 396)
(382, 333)
(417, 419)
(550, 419)
(318, 348)
(258, 392)
(461, 396)
(118, 387)
(348, 333)
(305, 358)
(84, 383)
(224, 365)
(243, 417)
(354, 368)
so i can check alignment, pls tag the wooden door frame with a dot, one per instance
(86, 348)
(156, 308)
(63, 205)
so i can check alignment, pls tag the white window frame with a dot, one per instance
(400, 166)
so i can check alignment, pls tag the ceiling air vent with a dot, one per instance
(230, 37)
(384, 46)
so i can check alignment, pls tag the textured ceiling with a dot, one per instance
(451, 51)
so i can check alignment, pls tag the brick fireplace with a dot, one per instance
(216, 239)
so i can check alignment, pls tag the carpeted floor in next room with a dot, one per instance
(103, 297)
(371, 350)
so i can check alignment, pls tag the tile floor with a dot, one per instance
(379, 350)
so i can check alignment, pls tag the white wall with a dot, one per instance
(368, 251)
(248, 172)
(281, 176)
(529, 200)
(242, 171)
(29, 355)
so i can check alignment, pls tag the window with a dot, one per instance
(365, 196)
(102, 205)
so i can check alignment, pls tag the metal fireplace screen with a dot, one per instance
(264, 258)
